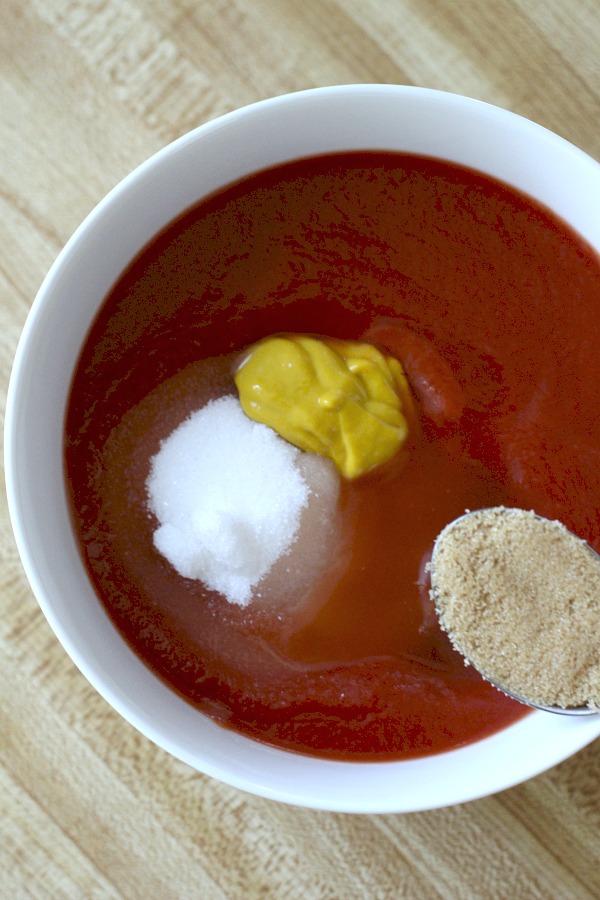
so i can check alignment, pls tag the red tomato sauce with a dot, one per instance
(491, 304)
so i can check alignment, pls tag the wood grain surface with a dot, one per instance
(88, 807)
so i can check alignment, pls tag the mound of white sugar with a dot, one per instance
(228, 495)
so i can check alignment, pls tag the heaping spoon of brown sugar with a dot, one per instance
(519, 596)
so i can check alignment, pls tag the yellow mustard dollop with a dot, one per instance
(342, 399)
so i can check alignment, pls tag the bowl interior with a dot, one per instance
(330, 119)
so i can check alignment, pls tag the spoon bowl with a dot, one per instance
(557, 710)
(479, 582)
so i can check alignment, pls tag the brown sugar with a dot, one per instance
(520, 598)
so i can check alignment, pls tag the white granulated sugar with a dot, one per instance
(228, 495)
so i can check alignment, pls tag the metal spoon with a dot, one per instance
(435, 592)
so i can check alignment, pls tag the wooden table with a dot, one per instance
(88, 807)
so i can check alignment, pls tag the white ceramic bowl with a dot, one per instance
(328, 119)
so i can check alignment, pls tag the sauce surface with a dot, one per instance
(500, 303)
